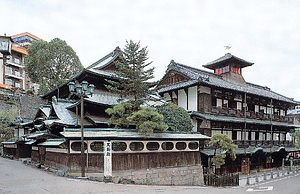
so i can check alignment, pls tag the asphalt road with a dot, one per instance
(16, 177)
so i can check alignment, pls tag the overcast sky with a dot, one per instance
(191, 32)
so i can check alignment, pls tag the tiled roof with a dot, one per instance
(65, 116)
(227, 57)
(104, 98)
(103, 62)
(250, 150)
(52, 142)
(29, 106)
(201, 76)
(104, 133)
(46, 110)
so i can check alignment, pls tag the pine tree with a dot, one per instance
(131, 75)
(225, 146)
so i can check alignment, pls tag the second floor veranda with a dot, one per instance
(261, 115)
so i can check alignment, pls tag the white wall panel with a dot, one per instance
(182, 99)
(192, 98)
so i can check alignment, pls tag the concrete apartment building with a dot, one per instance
(12, 68)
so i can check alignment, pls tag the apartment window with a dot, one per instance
(8, 70)
(17, 85)
(17, 73)
(17, 61)
(9, 82)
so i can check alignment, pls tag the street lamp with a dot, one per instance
(82, 90)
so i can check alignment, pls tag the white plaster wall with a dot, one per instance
(194, 123)
(182, 99)
(192, 98)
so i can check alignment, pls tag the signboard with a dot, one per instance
(5, 45)
(107, 159)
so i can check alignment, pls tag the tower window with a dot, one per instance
(235, 69)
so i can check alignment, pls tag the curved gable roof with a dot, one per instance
(227, 58)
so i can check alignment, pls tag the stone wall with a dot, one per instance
(188, 175)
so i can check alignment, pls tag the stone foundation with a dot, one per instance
(189, 175)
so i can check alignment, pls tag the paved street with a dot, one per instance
(19, 178)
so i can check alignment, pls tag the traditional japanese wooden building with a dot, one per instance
(253, 116)
(122, 153)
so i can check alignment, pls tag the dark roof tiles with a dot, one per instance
(197, 75)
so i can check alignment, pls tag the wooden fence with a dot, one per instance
(221, 180)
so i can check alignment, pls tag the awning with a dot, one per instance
(52, 142)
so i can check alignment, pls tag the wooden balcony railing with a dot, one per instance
(249, 114)
(246, 143)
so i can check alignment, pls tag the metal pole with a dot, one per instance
(82, 138)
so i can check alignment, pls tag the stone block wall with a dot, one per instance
(187, 175)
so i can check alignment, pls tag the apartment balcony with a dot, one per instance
(249, 114)
(14, 74)
(15, 62)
